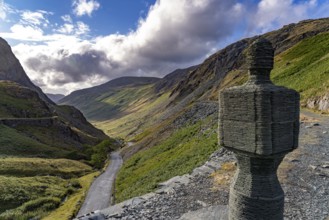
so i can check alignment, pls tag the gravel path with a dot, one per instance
(100, 192)
(305, 172)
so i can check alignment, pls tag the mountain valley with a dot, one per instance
(180, 110)
(50, 153)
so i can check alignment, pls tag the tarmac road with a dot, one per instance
(100, 193)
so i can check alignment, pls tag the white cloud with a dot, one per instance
(3, 13)
(84, 7)
(30, 26)
(5, 10)
(66, 18)
(79, 28)
(275, 13)
(66, 29)
(25, 33)
(34, 18)
(82, 28)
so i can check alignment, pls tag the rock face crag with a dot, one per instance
(259, 122)
(320, 103)
(12, 70)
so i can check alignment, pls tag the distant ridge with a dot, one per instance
(55, 97)
(115, 83)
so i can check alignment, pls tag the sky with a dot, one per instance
(65, 45)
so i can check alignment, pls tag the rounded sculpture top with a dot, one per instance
(260, 56)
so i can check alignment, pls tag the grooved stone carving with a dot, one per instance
(259, 122)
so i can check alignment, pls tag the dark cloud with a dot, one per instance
(74, 67)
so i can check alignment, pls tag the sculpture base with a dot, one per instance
(246, 208)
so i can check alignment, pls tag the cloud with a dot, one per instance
(35, 18)
(84, 7)
(66, 18)
(166, 39)
(5, 9)
(72, 68)
(3, 13)
(30, 26)
(27, 32)
(79, 28)
(82, 28)
(173, 34)
(66, 29)
(272, 14)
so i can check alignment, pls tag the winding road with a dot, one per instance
(100, 193)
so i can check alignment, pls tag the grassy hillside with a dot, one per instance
(33, 187)
(22, 167)
(70, 208)
(15, 143)
(187, 148)
(108, 100)
(305, 67)
(32, 127)
(18, 101)
(138, 115)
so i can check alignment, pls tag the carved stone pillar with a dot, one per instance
(259, 122)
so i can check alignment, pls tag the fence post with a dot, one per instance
(259, 122)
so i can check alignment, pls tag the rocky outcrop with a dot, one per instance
(199, 111)
(321, 103)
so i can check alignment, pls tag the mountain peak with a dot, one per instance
(12, 70)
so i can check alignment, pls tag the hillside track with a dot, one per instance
(305, 172)
(100, 192)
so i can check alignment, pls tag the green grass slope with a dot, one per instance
(187, 148)
(33, 187)
(19, 101)
(107, 100)
(22, 167)
(15, 143)
(305, 67)
(32, 127)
